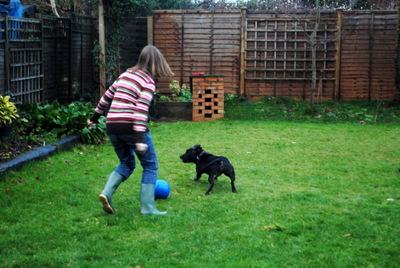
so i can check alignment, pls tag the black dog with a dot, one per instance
(210, 164)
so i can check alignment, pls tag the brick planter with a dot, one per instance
(208, 97)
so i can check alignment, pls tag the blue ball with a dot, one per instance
(162, 189)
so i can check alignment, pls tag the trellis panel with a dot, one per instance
(278, 54)
(44, 59)
(24, 70)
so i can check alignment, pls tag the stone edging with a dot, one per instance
(39, 153)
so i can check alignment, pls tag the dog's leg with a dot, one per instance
(197, 176)
(211, 180)
(233, 184)
(230, 172)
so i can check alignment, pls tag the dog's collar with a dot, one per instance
(200, 155)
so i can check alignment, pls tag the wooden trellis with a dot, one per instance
(46, 59)
(22, 39)
(280, 48)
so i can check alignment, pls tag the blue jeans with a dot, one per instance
(124, 146)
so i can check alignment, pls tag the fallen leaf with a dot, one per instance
(273, 227)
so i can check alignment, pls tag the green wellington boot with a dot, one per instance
(114, 180)
(148, 204)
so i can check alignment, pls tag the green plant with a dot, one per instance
(72, 118)
(164, 98)
(180, 93)
(53, 117)
(95, 134)
(8, 111)
(232, 98)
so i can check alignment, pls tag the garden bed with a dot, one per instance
(43, 124)
(173, 111)
(23, 157)
(11, 148)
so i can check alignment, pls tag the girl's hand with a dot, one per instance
(89, 123)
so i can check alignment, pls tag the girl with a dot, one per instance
(126, 104)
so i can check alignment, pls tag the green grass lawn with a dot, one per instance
(309, 195)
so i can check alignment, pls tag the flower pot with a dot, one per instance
(173, 111)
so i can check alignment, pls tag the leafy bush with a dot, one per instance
(179, 93)
(96, 133)
(233, 98)
(8, 111)
(40, 124)
(59, 119)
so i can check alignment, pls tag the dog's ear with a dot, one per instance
(197, 147)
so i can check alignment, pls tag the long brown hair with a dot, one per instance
(152, 61)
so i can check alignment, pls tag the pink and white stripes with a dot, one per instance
(128, 100)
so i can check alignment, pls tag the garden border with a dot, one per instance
(39, 153)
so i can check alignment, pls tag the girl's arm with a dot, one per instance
(104, 103)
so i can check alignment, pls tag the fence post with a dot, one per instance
(6, 56)
(243, 12)
(182, 44)
(42, 79)
(70, 32)
(397, 95)
(102, 49)
(150, 30)
(338, 47)
(211, 71)
(370, 52)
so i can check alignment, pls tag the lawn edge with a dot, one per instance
(63, 144)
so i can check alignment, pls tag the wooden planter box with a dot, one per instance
(173, 111)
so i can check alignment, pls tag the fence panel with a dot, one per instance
(369, 42)
(22, 59)
(56, 39)
(82, 61)
(200, 42)
(135, 38)
(167, 36)
(2, 56)
(37, 59)
(355, 51)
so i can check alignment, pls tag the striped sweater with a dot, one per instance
(127, 103)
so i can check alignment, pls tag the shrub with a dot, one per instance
(179, 93)
(8, 111)
(58, 120)
(95, 134)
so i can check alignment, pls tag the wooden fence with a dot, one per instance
(46, 59)
(200, 42)
(368, 55)
(270, 54)
(135, 38)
